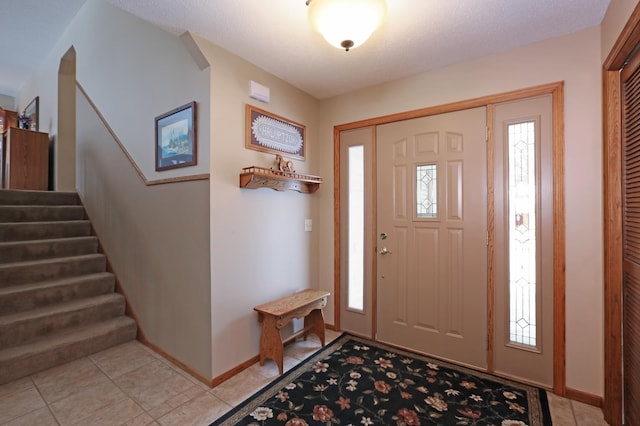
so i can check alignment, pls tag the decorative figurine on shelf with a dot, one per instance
(24, 121)
(285, 166)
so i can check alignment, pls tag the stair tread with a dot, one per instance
(52, 283)
(51, 260)
(44, 222)
(30, 197)
(53, 248)
(48, 206)
(27, 231)
(64, 337)
(47, 240)
(58, 308)
(41, 207)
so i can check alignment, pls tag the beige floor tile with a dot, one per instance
(588, 415)
(201, 410)
(153, 384)
(270, 369)
(16, 386)
(186, 375)
(196, 390)
(60, 382)
(40, 417)
(86, 404)
(240, 387)
(330, 335)
(302, 349)
(142, 420)
(117, 413)
(123, 358)
(159, 410)
(561, 410)
(14, 405)
(192, 392)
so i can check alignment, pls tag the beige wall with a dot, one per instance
(259, 249)
(7, 102)
(157, 239)
(614, 20)
(574, 59)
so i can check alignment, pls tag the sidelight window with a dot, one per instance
(522, 241)
(355, 297)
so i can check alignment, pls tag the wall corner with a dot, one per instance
(194, 50)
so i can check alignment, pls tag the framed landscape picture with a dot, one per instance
(271, 133)
(176, 138)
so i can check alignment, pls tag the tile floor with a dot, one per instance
(132, 385)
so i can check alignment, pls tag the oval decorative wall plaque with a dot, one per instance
(276, 135)
(271, 133)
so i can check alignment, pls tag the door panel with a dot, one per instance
(432, 267)
(524, 280)
(354, 320)
(631, 240)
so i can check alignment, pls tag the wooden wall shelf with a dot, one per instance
(259, 177)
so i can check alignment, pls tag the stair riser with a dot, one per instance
(65, 292)
(40, 213)
(36, 250)
(15, 368)
(38, 198)
(20, 332)
(18, 274)
(42, 231)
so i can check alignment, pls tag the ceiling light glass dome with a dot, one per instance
(346, 24)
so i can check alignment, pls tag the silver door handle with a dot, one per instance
(384, 251)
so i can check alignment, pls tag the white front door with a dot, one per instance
(431, 235)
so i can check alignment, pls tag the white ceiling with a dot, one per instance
(417, 35)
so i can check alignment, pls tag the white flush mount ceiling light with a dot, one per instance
(346, 24)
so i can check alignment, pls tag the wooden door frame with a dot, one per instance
(556, 90)
(612, 200)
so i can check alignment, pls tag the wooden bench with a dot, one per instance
(274, 315)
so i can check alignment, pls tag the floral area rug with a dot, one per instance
(353, 381)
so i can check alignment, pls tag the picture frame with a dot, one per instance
(32, 111)
(268, 132)
(176, 138)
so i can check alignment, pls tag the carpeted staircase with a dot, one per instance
(57, 302)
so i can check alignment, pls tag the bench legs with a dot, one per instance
(314, 323)
(271, 342)
(271, 345)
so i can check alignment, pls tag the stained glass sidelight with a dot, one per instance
(355, 297)
(522, 233)
(426, 191)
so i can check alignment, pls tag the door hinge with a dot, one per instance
(486, 134)
(486, 241)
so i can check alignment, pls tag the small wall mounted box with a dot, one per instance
(259, 92)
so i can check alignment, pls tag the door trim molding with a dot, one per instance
(628, 39)
(556, 90)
